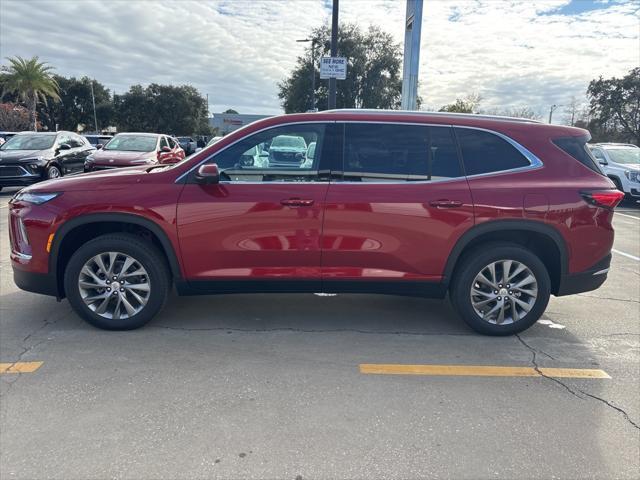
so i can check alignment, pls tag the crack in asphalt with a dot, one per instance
(26, 349)
(304, 330)
(569, 389)
(609, 298)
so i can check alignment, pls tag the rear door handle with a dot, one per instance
(445, 203)
(296, 202)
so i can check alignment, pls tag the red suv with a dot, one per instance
(498, 212)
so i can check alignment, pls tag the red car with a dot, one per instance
(130, 149)
(501, 213)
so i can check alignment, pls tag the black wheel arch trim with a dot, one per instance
(503, 225)
(129, 218)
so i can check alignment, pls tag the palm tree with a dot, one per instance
(31, 80)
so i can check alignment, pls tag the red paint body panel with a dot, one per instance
(243, 230)
(390, 231)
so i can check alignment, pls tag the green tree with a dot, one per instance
(179, 110)
(615, 106)
(374, 68)
(468, 104)
(32, 81)
(76, 105)
(230, 110)
(13, 117)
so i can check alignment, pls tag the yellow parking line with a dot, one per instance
(479, 371)
(20, 367)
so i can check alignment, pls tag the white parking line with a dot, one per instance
(628, 216)
(628, 255)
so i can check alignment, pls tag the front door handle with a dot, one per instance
(296, 202)
(446, 203)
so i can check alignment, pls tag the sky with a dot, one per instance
(511, 53)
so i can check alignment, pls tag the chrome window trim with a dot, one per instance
(534, 161)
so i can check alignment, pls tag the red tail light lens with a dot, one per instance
(604, 198)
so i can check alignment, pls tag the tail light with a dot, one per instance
(603, 198)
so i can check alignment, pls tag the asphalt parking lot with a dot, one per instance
(276, 386)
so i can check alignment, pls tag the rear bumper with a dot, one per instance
(43, 283)
(586, 281)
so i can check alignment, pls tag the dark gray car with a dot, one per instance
(29, 157)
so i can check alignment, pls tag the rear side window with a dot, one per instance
(577, 148)
(485, 152)
(378, 152)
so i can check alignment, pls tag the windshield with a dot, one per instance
(627, 156)
(29, 142)
(132, 143)
(288, 141)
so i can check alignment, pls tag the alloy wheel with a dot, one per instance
(114, 285)
(53, 172)
(503, 292)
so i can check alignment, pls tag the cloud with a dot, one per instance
(512, 53)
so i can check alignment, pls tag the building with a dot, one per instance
(228, 122)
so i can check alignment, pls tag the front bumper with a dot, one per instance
(18, 176)
(44, 283)
(586, 281)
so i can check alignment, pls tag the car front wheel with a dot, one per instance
(501, 289)
(117, 282)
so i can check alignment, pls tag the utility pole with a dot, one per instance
(551, 110)
(334, 52)
(411, 64)
(93, 99)
(313, 70)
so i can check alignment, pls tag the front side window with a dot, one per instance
(386, 152)
(76, 141)
(486, 152)
(280, 153)
(163, 143)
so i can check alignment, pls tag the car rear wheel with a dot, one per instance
(117, 282)
(500, 289)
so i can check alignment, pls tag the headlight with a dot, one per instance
(632, 175)
(33, 160)
(89, 159)
(35, 198)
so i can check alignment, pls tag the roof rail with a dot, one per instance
(616, 144)
(365, 111)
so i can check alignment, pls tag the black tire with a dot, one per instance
(53, 171)
(140, 250)
(473, 262)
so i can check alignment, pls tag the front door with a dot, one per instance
(395, 211)
(263, 221)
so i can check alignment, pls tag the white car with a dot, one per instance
(621, 163)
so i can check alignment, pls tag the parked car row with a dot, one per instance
(30, 157)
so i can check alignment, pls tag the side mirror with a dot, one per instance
(165, 149)
(99, 146)
(207, 174)
(64, 146)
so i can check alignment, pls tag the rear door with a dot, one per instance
(262, 223)
(397, 207)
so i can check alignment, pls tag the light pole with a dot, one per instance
(93, 100)
(551, 110)
(313, 70)
(334, 52)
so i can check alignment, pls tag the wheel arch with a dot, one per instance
(93, 225)
(537, 236)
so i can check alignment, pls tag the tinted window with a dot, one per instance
(163, 142)
(76, 141)
(577, 148)
(172, 142)
(280, 153)
(485, 152)
(376, 152)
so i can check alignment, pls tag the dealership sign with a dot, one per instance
(333, 67)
